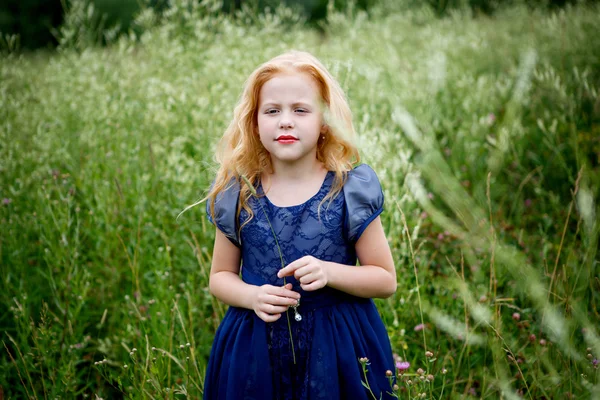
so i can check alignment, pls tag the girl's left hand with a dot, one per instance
(309, 271)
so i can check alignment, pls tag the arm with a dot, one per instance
(376, 276)
(267, 301)
(225, 283)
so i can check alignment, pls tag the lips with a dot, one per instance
(286, 139)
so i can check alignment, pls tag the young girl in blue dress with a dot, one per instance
(293, 216)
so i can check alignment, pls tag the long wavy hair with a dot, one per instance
(241, 155)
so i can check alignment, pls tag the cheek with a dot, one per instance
(263, 124)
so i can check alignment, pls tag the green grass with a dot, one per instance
(484, 132)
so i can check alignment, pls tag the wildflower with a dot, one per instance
(402, 366)
(516, 316)
(395, 387)
(542, 342)
(428, 354)
(532, 338)
(420, 371)
(430, 378)
(595, 362)
(388, 373)
(419, 327)
(528, 203)
(491, 118)
(440, 236)
(6, 201)
(444, 371)
(125, 366)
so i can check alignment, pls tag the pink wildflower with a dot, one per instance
(402, 366)
(419, 327)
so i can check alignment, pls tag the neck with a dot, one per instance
(299, 170)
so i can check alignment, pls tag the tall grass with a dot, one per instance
(484, 132)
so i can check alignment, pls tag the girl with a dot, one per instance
(292, 210)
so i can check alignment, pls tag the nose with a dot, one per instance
(286, 122)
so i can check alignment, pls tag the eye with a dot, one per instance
(271, 111)
(301, 110)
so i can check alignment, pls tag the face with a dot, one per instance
(290, 118)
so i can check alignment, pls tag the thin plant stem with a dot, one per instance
(366, 382)
(253, 191)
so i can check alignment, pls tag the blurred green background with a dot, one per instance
(36, 21)
(481, 119)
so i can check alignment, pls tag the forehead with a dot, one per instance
(294, 87)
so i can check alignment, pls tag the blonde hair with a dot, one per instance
(242, 156)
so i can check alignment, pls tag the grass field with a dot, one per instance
(485, 133)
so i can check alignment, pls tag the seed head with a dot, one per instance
(532, 338)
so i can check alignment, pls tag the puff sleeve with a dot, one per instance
(364, 200)
(226, 205)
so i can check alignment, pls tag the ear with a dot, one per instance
(324, 128)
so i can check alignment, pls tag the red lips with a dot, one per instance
(286, 139)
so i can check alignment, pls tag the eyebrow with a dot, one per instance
(274, 104)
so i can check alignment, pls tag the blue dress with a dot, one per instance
(251, 359)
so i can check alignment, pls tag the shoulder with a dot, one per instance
(225, 206)
(364, 200)
(362, 175)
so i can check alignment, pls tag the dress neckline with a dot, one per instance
(325, 181)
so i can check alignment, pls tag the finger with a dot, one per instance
(303, 271)
(318, 284)
(273, 309)
(306, 279)
(282, 292)
(268, 317)
(291, 267)
(281, 301)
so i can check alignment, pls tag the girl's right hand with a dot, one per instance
(271, 301)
